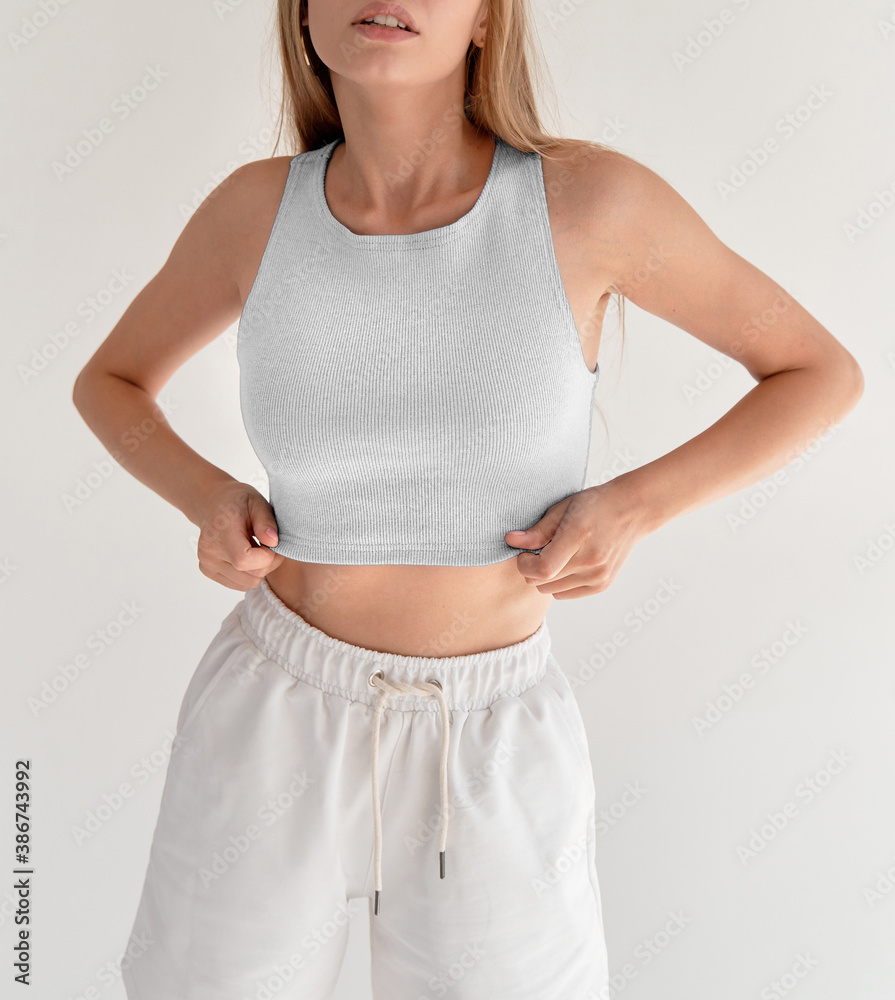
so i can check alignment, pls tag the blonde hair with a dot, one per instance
(505, 78)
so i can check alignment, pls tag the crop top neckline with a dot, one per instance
(401, 241)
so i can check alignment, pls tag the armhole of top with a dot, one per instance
(555, 276)
(282, 208)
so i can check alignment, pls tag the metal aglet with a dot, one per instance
(376, 903)
(441, 863)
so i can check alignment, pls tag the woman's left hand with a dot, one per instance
(584, 541)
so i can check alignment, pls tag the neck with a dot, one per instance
(404, 152)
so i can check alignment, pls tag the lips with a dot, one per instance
(396, 10)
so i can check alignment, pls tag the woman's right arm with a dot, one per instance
(197, 294)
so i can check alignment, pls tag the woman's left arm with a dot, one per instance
(666, 260)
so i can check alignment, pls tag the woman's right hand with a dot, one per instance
(228, 554)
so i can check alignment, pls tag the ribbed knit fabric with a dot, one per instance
(414, 397)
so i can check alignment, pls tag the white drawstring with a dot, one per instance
(386, 688)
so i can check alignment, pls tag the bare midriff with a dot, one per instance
(414, 610)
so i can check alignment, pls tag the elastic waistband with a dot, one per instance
(471, 681)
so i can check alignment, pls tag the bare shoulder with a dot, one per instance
(592, 177)
(239, 213)
(593, 192)
(258, 183)
(630, 209)
(249, 189)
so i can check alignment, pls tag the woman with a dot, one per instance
(420, 293)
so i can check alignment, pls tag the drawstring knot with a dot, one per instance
(386, 688)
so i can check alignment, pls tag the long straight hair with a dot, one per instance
(506, 79)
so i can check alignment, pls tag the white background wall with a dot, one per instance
(83, 539)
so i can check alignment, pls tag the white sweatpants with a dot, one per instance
(267, 824)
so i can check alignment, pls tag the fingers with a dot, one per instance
(564, 569)
(567, 595)
(228, 577)
(541, 532)
(552, 536)
(227, 550)
(237, 547)
(574, 585)
(550, 564)
(531, 538)
(246, 562)
(263, 525)
(223, 573)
